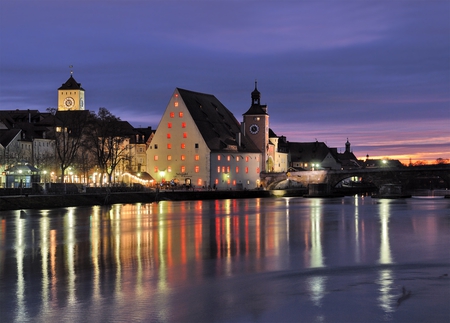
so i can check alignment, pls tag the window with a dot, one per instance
(168, 136)
(183, 169)
(237, 158)
(223, 169)
(234, 182)
(246, 170)
(156, 146)
(183, 125)
(169, 169)
(169, 125)
(183, 157)
(183, 146)
(246, 159)
(237, 169)
(197, 157)
(169, 157)
(180, 114)
(184, 134)
(196, 145)
(228, 158)
(175, 104)
(218, 157)
(257, 170)
(155, 157)
(218, 169)
(197, 169)
(156, 169)
(169, 146)
(228, 169)
(172, 115)
(199, 182)
(216, 181)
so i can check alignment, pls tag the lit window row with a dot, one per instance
(180, 114)
(169, 135)
(169, 125)
(238, 158)
(182, 169)
(183, 157)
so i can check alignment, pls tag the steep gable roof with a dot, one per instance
(7, 136)
(71, 84)
(217, 125)
(308, 151)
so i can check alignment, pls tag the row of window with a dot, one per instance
(170, 136)
(180, 114)
(238, 158)
(183, 125)
(220, 169)
(183, 157)
(182, 169)
(169, 146)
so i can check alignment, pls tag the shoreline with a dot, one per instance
(90, 199)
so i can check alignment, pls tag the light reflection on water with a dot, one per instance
(143, 262)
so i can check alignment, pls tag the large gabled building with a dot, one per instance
(199, 142)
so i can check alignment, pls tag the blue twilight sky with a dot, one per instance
(376, 72)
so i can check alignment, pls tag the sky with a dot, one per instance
(375, 72)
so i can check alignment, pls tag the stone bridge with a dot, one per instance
(405, 176)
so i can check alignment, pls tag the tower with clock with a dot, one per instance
(256, 125)
(71, 95)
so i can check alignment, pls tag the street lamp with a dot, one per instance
(162, 173)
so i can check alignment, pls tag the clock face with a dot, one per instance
(69, 102)
(254, 129)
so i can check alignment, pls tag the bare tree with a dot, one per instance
(69, 129)
(109, 138)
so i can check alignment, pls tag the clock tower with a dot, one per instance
(71, 96)
(256, 125)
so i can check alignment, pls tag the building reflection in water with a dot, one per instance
(386, 276)
(316, 284)
(145, 251)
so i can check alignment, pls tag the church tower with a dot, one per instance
(256, 125)
(71, 95)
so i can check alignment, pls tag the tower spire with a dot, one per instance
(71, 70)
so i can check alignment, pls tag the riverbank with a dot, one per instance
(67, 200)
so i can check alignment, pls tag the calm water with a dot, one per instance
(251, 260)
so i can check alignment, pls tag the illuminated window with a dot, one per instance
(183, 146)
(156, 169)
(257, 170)
(169, 146)
(169, 169)
(169, 157)
(228, 158)
(175, 104)
(168, 136)
(184, 134)
(216, 181)
(237, 169)
(197, 157)
(169, 125)
(234, 182)
(155, 157)
(228, 181)
(183, 157)
(246, 170)
(223, 169)
(199, 182)
(228, 169)
(246, 159)
(218, 169)
(237, 158)
(218, 157)
(183, 169)
(180, 114)
(257, 158)
(183, 125)
(172, 115)
(197, 169)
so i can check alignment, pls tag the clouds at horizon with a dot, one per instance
(376, 72)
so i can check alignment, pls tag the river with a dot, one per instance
(352, 259)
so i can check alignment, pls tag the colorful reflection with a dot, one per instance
(75, 257)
